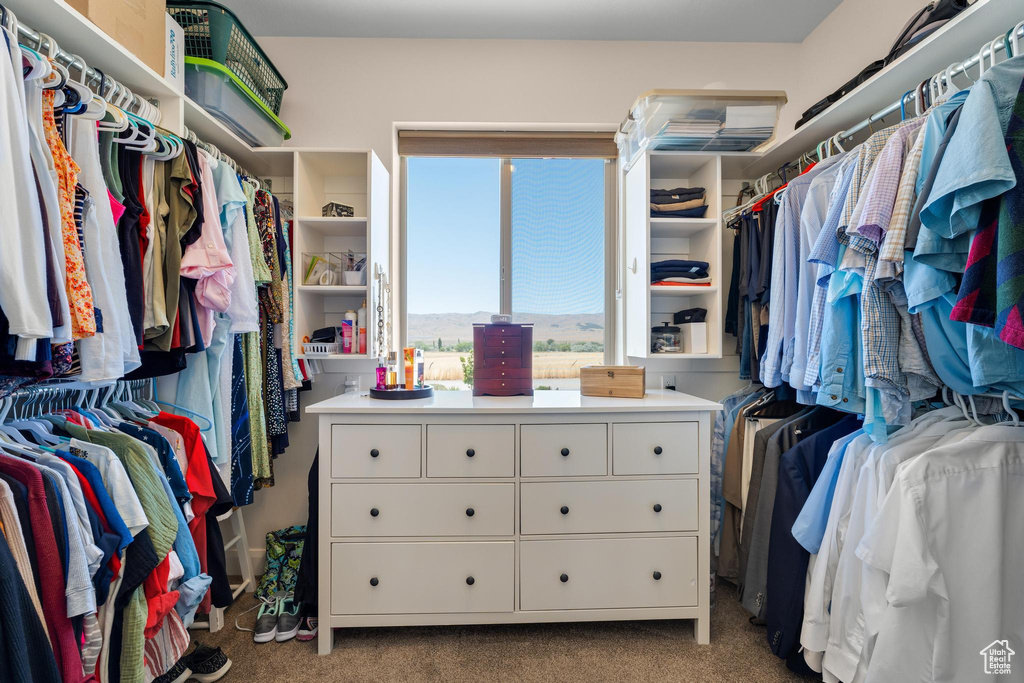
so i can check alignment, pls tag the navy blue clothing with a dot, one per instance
(25, 654)
(20, 492)
(166, 455)
(799, 468)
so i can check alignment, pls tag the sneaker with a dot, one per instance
(266, 622)
(179, 673)
(307, 625)
(208, 664)
(287, 620)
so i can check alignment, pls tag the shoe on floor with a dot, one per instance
(287, 620)
(266, 622)
(208, 664)
(307, 626)
(179, 673)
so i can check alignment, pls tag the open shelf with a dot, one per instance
(335, 227)
(209, 129)
(333, 290)
(335, 356)
(681, 227)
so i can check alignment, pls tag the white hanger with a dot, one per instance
(1014, 39)
(1006, 395)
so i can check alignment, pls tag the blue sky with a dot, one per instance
(453, 232)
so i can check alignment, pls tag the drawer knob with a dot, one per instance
(374, 453)
(470, 453)
(657, 576)
(374, 581)
(657, 507)
(374, 512)
(565, 452)
(470, 580)
(565, 509)
(657, 450)
(564, 578)
(470, 512)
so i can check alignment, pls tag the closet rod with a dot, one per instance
(988, 51)
(29, 37)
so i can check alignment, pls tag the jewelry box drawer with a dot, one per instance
(608, 573)
(471, 450)
(422, 578)
(502, 352)
(502, 387)
(378, 510)
(563, 450)
(504, 362)
(369, 451)
(655, 448)
(503, 373)
(589, 507)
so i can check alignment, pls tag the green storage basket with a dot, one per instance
(214, 34)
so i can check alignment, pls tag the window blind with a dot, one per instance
(516, 144)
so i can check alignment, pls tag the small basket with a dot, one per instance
(315, 349)
(214, 33)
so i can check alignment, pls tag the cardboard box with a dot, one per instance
(618, 381)
(138, 25)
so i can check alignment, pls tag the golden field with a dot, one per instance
(445, 365)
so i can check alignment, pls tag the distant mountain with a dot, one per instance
(455, 327)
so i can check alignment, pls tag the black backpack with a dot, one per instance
(926, 21)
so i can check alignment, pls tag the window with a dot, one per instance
(526, 236)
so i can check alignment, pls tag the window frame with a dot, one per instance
(611, 290)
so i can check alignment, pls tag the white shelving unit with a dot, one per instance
(654, 239)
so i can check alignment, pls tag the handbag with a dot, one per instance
(925, 22)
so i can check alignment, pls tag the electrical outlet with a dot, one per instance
(668, 382)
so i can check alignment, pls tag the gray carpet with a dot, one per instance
(662, 651)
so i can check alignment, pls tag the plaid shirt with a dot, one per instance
(892, 249)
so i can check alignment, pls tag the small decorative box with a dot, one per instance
(618, 381)
(503, 359)
(338, 210)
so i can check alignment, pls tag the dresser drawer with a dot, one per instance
(501, 352)
(493, 342)
(505, 362)
(471, 450)
(503, 373)
(375, 451)
(564, 450)
(502, 387)
(422, 578)
(655, 448)
(608, 573)
(589, 507)
(422, 509)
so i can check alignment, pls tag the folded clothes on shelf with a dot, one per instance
(679, 202)
(679, 270)
(683, 281)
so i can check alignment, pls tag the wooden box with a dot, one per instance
(619, 381)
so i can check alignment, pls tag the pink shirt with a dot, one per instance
(207, 260)
(116, 208)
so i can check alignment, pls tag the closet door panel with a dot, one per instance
(637, 255)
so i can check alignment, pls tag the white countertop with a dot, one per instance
(541, 402)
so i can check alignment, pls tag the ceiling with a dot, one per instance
(659, 20)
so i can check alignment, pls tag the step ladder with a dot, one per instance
(240, 543)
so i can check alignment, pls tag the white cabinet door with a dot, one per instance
(637, 283)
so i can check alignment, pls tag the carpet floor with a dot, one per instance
(662, 651)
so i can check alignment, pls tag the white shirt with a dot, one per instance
(954, 562)
(846, 628)
(22, 258)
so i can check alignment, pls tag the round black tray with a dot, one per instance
(401, 394)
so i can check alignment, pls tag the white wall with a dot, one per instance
(351, 92)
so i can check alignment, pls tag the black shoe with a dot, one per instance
(179, 673)
(208, 664)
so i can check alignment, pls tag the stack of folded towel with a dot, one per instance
(681, 202)
(680, 273)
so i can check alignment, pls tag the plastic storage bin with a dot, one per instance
(216, 92)
(214, 34)
(699, 121)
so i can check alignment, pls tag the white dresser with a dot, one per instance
(553, 507)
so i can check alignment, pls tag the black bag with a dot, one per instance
(927, 20)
